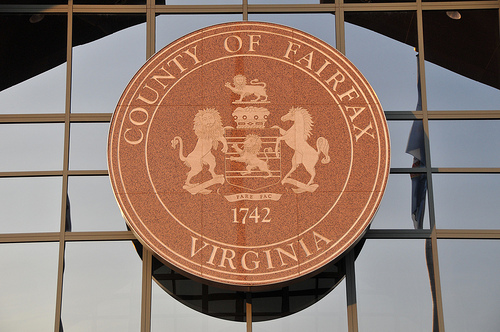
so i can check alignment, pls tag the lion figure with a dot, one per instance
(248, 155)
(209, 130)
(256, 88)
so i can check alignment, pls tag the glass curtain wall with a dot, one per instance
(430, 259)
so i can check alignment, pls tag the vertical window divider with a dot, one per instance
(435, 283)
(67, 125)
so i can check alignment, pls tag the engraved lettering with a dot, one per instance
(352, 93)
(308, 58)
(319, 71)
(157, 78)
(254, 39)
(356, 110)
(239, 44)
(304, 247)
(212, 255)
(142, 111)
(244, 262)
(146, 100)
(193, 246)
(226, 258)
(193, 54)
(291, 255)
(363, 131)
(133, 141)
(291, 49)
(177, 63)
(320, 238)
(338, 77)
(269, 260)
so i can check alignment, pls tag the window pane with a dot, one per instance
(198, 2)
(469, 273)
(107, 51)
(465, 143)
(31, 147)
(395, 208)
(33, 53)
(467, 200)
(168, 314)
(30, 205)
(28, 287)
(102, 287)
(93, 205)
(388, 63)
(320, 25)
(283, 2)
(172, 27)
(466, 70)
(328, 314)
(399, 132)
(88, 145)
(393, 286)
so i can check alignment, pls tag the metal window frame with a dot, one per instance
(150, 9)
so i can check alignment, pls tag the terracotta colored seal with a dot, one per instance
(248, 154)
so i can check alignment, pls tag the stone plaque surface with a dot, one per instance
(248, 154)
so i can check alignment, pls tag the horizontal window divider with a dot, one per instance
(458, 115)
(33, 8)
(453, 5)
(30, 174)
(90, 117)
(398, 234)
(198, 9)
(110, 9)
(99, 236)
(32, 118)
(471, 234)
(465, 170)
(404, 115)
(88, 172)
(292, 8)
(30, 237)
(407, 170)
(389, 6)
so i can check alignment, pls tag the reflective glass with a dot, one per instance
(467, 201)
(35, 55)
(320, 25)
(386, 57)
(110, 2)
(395, 209)
(107, 52)
(93, 205)
(198, 2)
(328, 314)
(30, 204)
(168, 314)
(399, 133)
(88, 144)
(102, 287)
(465, 71)
(31, 147)
(283, 2)
(465, 143)
(469, 273)
(172, 27)
(393, 289)
(28, 286)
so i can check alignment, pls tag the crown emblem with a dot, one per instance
(250, 117)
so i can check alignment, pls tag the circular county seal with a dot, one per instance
(248, 154)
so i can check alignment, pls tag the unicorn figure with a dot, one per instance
(296, 138)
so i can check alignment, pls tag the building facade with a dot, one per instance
(68, 261)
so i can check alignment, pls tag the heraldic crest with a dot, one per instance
(252, 152)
